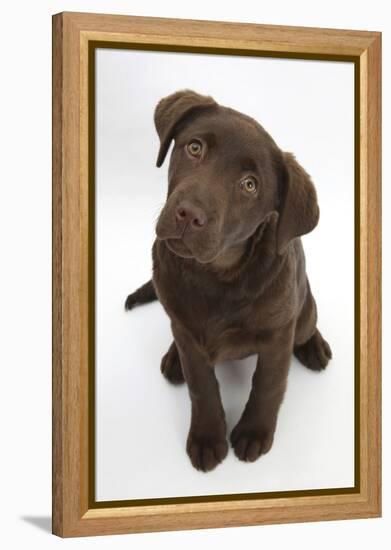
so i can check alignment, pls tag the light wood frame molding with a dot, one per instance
(74, 35)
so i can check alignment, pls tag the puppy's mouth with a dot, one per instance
(201, 248)
(179, 248)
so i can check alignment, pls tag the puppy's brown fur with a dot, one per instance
(229, 268)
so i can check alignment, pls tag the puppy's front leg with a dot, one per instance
(253, 435)
(206, 442)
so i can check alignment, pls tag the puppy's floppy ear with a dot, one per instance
(172, 109)
(298, 210)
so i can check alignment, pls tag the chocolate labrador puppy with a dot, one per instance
(229, 268)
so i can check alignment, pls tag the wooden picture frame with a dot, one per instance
(75, 36)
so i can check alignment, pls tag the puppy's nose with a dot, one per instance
(191, 215)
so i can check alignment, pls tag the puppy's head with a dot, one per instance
(226, 176)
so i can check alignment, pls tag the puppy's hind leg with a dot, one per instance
(142, 295)
(310, 347)
(315, 353)
(171, 366)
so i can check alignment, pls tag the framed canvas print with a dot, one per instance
(216, 274)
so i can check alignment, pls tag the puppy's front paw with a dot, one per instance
(250, 443)
(206, 452)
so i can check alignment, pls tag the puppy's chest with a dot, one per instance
(233, 336)
(218, 315)
(227, 327)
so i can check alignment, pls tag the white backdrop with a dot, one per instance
(25, 289)
(142, 421)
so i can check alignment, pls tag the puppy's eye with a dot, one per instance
(194, 148)
(249, 184)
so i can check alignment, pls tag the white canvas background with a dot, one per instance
(142, 421)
